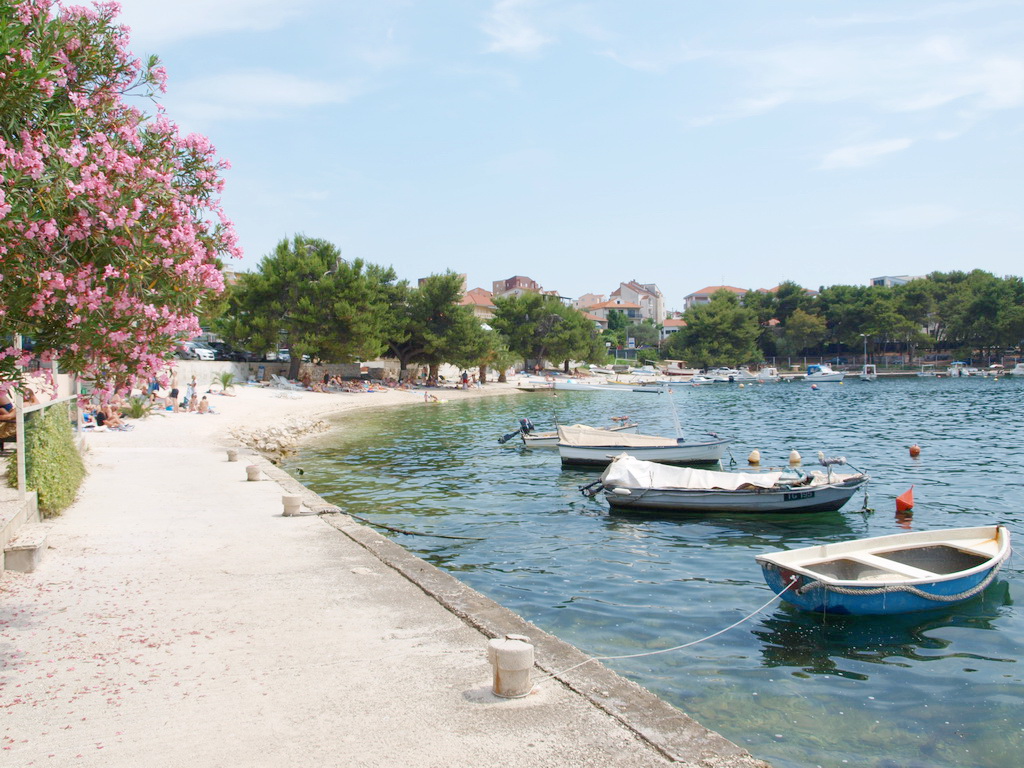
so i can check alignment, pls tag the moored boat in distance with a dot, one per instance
(960, 368)
(928, 370)
(869, 372)
(583, 448)
(899, 573)
(1017, 370)
(822, 372)
(630, 484)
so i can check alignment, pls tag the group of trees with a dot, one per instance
(957, 311)
(306, 297)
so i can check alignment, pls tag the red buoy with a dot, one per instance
(905, 501)
(915, 450)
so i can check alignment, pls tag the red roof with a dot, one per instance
(675, 322)
(477, 297)
(614, 305)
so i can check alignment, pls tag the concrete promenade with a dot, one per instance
(178, 619)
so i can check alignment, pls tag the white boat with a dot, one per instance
(960, 368)
(928, 370)
(768, 375)
(549, 440)
(597, 449)
(1017, 370)
(869, 372)
(678, 368)
(701, 379)
(632, 484)
(730, 375)
(823, 372)
(602, 386)
(892, 574)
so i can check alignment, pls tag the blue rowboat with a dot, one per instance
(900, 573)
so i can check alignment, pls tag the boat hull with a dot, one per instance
(706, 452)
(868, 588)
(755, 501)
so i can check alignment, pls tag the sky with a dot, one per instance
(583, 143)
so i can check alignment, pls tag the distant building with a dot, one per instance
(628, 308)
(515, 286)
(671, 325)
(703, 296)
(647, 295)
(810, 292)
(600, 322)
(888, 281)
(588, 300)
(479, 300)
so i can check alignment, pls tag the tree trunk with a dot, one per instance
(483, 374)
(432, 371)
(293, 366)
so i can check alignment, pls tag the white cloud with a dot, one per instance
(511, 31)
(857, 155)
(256, 94)
(155, 23)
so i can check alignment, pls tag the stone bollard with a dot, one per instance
(252, 472)
(291, 505)
(512, 661)
(232, 454)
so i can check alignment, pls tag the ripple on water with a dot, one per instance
(935, 689)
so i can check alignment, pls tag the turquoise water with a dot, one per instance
(941, 688)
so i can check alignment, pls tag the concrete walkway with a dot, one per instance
(179, 619)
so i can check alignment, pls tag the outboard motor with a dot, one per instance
(526, 426)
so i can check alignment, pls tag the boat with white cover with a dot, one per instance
(892, 574)
(587, 448)
(550, 439)
(631, 484)
(869, 372)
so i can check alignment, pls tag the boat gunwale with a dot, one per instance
(1000, 534)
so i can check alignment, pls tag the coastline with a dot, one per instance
(180, 610)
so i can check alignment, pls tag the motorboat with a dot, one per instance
(869, 372)
(899, 573)
(960, 368)
(630, 484)
(823, 372)
(587, 448)
(730, 375)
(928, 370)
(603, 386)
(1017, 370)
(768, 375)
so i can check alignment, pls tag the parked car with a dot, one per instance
(196, 350)
(283, 355)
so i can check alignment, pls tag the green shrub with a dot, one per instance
(53, 466)
(226, 379)
(137, 407)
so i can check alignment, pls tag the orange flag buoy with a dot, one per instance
(905, 501)
(915, 450)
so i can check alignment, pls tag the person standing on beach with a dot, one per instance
(172, 397)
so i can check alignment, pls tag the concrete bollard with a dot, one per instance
(232, 454)
(512, 661)
(252, 472)
(291, 505)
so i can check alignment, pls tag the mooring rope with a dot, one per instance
(893, 588)
(690, 644)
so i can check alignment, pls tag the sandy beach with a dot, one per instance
(178, 619)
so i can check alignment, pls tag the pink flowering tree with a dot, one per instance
(111, 231)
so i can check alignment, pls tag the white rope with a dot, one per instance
(553, 675)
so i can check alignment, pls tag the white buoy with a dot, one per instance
(511, 658)
(252, 472)
(794, 457)
(291, 505)
(754, 457)
(232, 454)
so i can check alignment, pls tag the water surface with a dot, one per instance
(941, 688)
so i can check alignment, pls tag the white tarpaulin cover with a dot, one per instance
(588, 436)
(628, 472)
